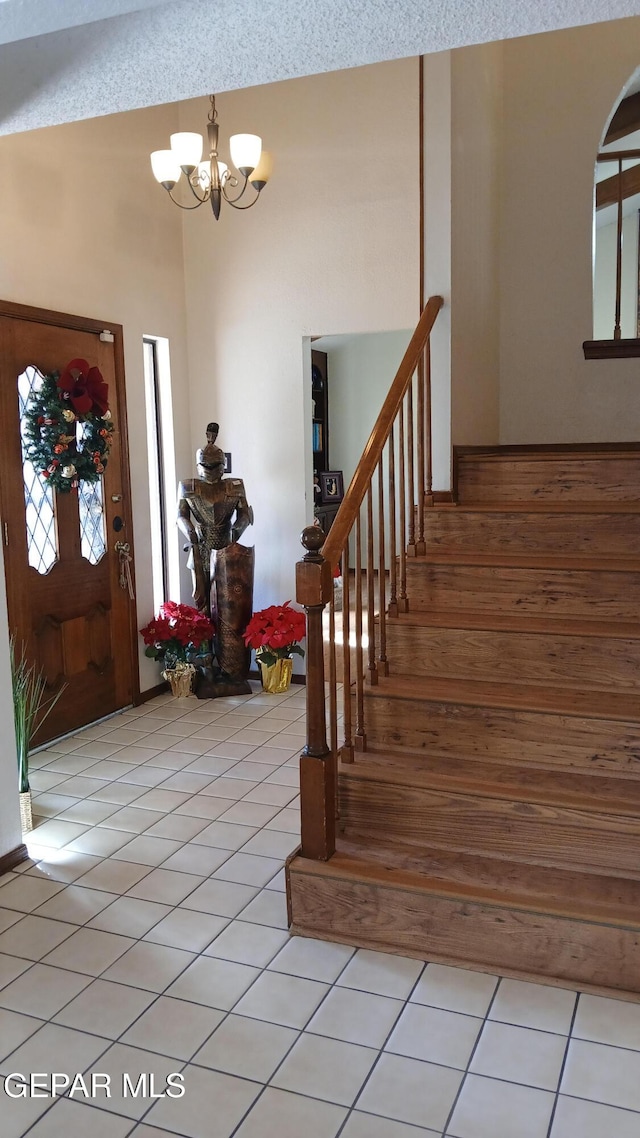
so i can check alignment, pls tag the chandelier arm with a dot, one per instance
(232, 181)
(250, 205)
(175, 201)
(194, 185)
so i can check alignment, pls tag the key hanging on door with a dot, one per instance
(123, 549)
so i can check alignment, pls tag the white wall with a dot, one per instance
(604, 279)
(93, 234)
(476, 154)
(559, 90)
(437, 250)
(360, 372)
(330, 248)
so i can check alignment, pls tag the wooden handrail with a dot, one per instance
(354, 497)
(614, 155)
(403, 502)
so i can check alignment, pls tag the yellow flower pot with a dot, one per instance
(180, 679)
(276, 678)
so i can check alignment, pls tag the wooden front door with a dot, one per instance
(65, 597)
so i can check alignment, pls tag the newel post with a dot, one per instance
(317, 764)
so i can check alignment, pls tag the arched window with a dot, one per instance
(616, 249)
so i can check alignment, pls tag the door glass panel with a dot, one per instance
(42, 535)
(92, 532)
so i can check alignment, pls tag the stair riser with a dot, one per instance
(542, 739)
(549, 479)
(473, 933)
(591, 594)
(598, 535)
(542, 835)
(598, 663)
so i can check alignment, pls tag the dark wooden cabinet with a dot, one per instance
(319, 412)
(325, 515)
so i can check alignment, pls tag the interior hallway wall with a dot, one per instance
(476, 157)
(92, 234)
(360, 372)
(100, 239)
(331, 248)
(559, 91)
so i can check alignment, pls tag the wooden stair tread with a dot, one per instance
(595, 704)
(487, 779)
(469, 877)
(443, 617)
(494, 820)
(527, 506)
(526, 560)
(547, 452)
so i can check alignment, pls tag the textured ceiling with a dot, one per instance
(20, 19)
(170, 51)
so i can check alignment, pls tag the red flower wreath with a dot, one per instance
(84, 388)
(68, 426)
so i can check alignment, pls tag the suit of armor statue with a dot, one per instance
(213, 513)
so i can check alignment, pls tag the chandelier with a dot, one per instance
(211, 180)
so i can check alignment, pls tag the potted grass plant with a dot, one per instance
(31, 706)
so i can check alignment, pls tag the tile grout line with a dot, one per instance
(381, 1051)
(300, 1032)
(241, 917)
(562, 1066)
(470, 1059)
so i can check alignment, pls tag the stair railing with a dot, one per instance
(616, 189)
(379, 525)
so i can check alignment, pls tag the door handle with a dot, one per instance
(123, 549)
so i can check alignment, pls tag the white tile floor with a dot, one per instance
(148, 934)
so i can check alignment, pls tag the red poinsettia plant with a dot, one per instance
(177, 634)
(274, 632)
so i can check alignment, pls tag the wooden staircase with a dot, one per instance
(493, 816)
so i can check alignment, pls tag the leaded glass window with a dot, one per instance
(91, 509)
(40, 517)
(92, 533)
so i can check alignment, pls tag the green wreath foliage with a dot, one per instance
(63, 445)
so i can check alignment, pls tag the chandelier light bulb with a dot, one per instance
(245, 152)
(166, 168)
(187, 148)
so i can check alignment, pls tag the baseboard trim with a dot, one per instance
(160, 689)
(13, 858)
(254, 674)
(151, 693)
